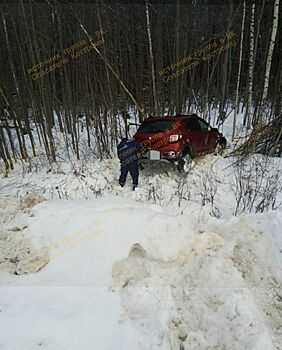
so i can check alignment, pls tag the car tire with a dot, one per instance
(220, 146)
(184, 164)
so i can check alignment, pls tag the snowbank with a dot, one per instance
(122, 274)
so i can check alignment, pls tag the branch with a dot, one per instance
(109, 66)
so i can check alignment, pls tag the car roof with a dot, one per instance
(171, 117)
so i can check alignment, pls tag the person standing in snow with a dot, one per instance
(129, 151)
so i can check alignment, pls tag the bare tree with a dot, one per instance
(251, 67)
(156, 109)
(239, 70)
(269, 61)
(255, 187)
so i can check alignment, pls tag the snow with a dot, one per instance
(86, 264)
(63, 318)
(129, 284)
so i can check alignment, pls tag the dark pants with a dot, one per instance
(132, 167)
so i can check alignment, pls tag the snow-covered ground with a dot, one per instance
(85, 264)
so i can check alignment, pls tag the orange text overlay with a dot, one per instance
(197, 246)
(75, 240)
(193, 60)
(60, 59)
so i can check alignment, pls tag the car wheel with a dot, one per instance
(185, 163)
(220, 146)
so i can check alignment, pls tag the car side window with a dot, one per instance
(203, 125)
(193, 125)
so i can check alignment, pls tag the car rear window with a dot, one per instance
(193, 125)
(155, 126)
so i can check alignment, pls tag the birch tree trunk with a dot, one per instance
(251, 67)
(268, 62)
(239, 70)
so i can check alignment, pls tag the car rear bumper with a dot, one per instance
(168, 156)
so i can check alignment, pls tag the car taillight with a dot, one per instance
(174, 138)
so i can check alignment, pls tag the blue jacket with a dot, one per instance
(129, 150)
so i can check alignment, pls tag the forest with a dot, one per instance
(100, 62)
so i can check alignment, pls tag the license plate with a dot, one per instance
(154, 155)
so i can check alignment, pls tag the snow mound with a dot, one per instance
(153, 277)
(214, 293)
(30, 200)
(17, 254)
(132, 268)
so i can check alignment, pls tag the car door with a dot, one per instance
(194, 135)
(206, 135)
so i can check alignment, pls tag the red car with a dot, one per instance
(178, 138)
